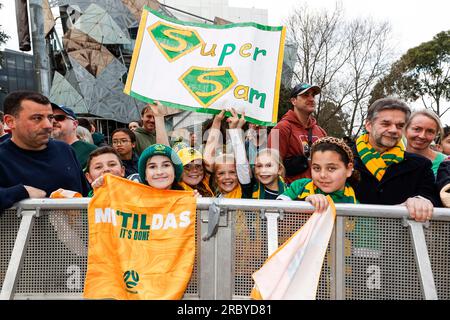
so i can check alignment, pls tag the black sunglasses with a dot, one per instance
(61, 117)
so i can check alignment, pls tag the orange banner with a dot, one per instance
(141, 241)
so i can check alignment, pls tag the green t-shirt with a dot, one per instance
(144, 139)
(437, 162)
(301, 188)
(82, 151)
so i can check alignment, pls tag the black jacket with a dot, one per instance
(131, 166)
(443, 175)
(411, 177)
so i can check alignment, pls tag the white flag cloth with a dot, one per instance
(293, 271)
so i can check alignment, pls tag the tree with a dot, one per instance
(368, 62)
(283, 105)
(422, 73)
(345, 58)
(3, 36)
(338, 124)
(320, 46)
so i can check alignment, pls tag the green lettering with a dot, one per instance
(135, 221)
(144, 225)
(125, 217)
(225, 52)
(257, 51)
(255, 94)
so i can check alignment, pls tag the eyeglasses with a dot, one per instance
(117, 142)
(61, 117)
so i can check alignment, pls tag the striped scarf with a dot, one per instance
(236, 193)
(375, 162)
(259, 190)
(341, 196)
(203, 187)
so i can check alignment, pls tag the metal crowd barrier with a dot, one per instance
(375, 252)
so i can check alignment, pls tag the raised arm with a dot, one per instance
(159, 111)
(237, 140)
(213, 141)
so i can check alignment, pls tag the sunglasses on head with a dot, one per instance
(61, 117)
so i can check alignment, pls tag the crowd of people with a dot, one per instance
(399, 159)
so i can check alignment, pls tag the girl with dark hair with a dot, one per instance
(332, 172)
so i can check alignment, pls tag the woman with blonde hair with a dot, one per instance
(421, 130)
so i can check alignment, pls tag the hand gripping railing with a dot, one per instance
(270, 210)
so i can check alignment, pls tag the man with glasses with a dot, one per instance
(124, 141)
(65, 129)
(296, 132)
(31, 164)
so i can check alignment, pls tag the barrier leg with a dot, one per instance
(216, 258)
(19, 251)
(338, 271)
(272, 231)
(422, 259)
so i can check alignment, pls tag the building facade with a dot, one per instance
(16, 73)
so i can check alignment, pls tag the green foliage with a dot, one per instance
(3, 37)
(284, 103)
(424, 71)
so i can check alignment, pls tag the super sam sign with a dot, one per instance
(206, 68)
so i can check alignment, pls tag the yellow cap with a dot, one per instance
(188, 154)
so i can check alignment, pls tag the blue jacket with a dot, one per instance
(49, 169)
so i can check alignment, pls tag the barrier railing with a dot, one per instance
(375, 252)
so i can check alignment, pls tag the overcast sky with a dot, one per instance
(412, 21)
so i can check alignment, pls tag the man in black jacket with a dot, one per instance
(389, 174)
(443, 182)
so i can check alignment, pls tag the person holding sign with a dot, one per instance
(331, 167)
(101, 161)
(267, 182)
(296, 132)
(230, 170)
(194, 175)
(160, 167)
(152, 122)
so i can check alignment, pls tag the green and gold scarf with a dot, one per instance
(302, 188)
(260, 193)
(375, 162)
